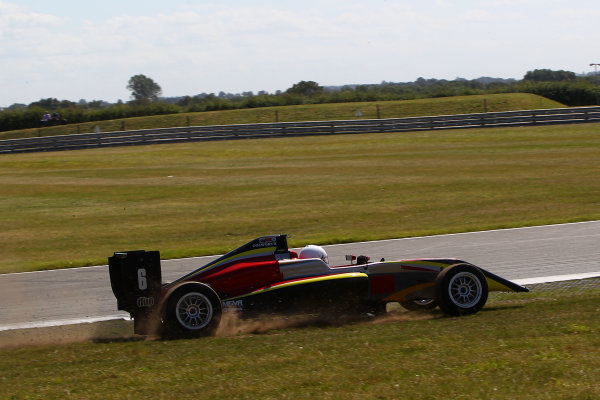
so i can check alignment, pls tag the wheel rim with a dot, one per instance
(194, 311)
(465, 289)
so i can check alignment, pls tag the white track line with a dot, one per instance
(340, 244)
(62, 322)
(556, 278)
(467, 233)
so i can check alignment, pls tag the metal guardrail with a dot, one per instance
(289, 129)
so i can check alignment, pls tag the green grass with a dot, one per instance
(522, 346)
(76, 208)
(309, 112)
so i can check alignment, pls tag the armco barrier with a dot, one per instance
(286, 129)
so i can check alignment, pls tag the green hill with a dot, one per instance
(309, 112)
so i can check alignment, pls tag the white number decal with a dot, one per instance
(142, 281)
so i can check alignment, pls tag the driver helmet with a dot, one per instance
(312, 251)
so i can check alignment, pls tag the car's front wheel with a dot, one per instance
(192, 310)
(461, 289)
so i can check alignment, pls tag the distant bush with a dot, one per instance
(21, 119)
(577, 93)
(547, 75)
(30, 116)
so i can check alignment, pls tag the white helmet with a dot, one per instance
(312, 251)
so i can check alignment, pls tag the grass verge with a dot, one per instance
(75, 208)
(526, 346)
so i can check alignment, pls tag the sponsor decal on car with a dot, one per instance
(237, 305)
(266, 241)
(145, 301)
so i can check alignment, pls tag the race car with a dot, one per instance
(264, 276)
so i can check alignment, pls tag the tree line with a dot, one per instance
(562, 86)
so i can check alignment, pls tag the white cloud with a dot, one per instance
(267, 45)
(22, 32)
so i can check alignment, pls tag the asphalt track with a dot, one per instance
(50, 298)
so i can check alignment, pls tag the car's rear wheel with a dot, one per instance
(461, 289)
(192, 310)
(419, 305)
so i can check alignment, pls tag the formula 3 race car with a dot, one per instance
(264, 276)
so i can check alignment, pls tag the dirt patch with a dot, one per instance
(231, 325)
(406, 316)
(117, 330)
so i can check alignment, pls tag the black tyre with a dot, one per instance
(419, 305)
(461, 289)
(192, 310)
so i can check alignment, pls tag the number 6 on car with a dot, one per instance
(142, 281)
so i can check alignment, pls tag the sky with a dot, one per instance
(72, 50)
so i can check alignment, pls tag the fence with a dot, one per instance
(289, 129)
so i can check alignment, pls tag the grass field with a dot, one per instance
(521, 346)
(76, 208)
(308, 112)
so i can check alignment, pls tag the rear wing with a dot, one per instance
(136, 281)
